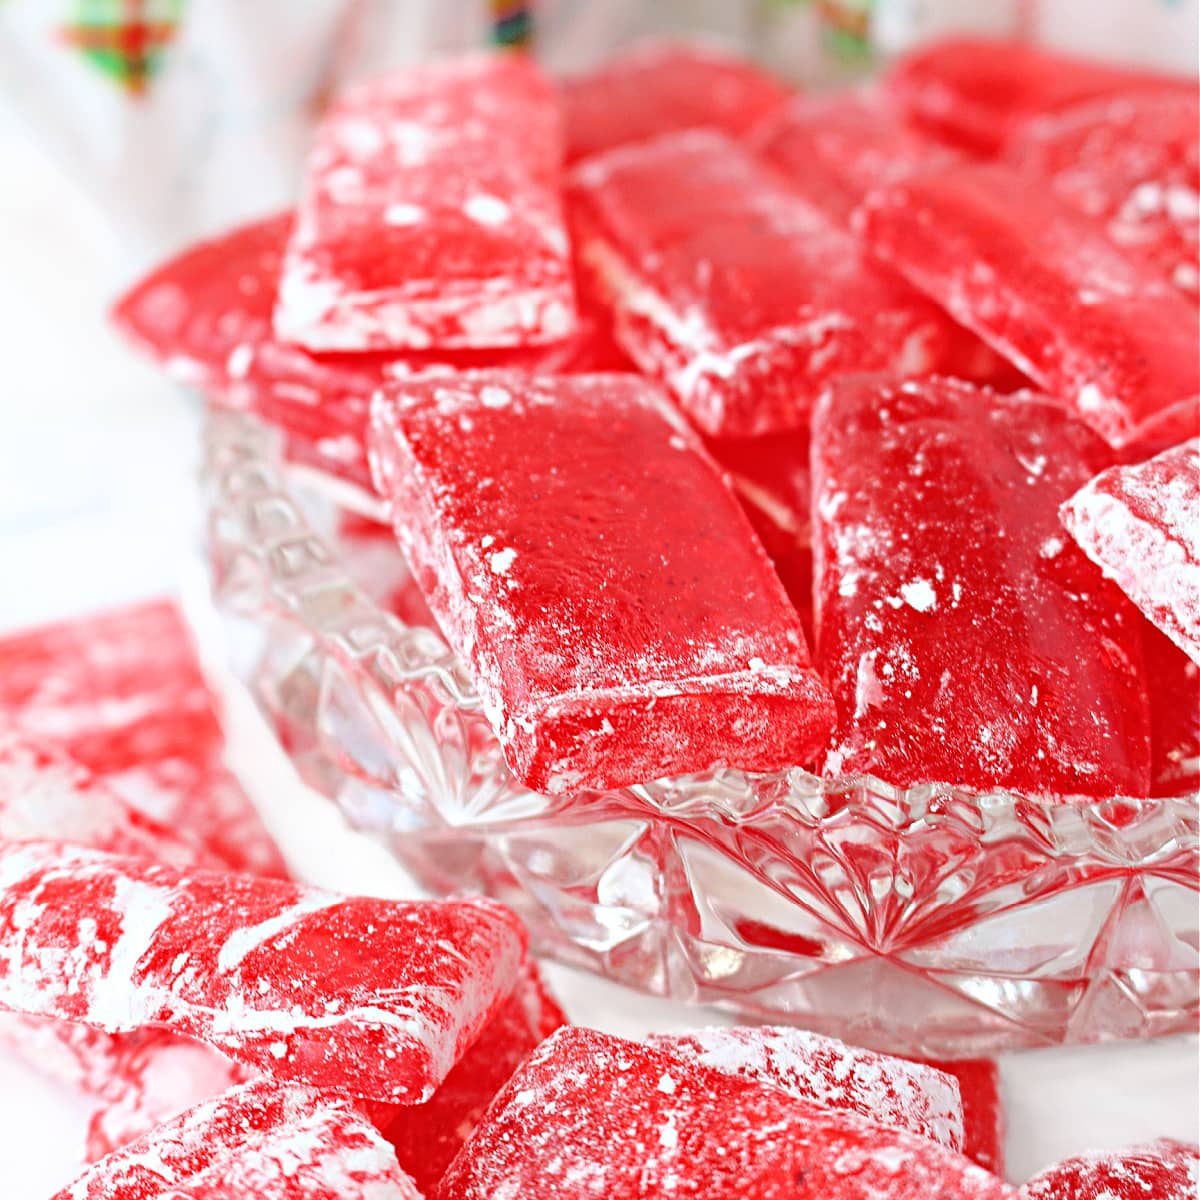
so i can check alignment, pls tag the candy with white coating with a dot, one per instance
(593, 1117)
(1161, 1170)
(587, 562)
(826, 1072)
(983, 1110)
(1141, 524)
(430, 215)
(374, 998)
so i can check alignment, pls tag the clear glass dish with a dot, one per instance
(930, 921)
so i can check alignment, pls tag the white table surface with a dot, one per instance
(96, 467)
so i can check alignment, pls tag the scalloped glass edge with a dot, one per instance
(932, 920)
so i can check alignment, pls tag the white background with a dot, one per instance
(96, 473)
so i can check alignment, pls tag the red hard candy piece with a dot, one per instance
(660, 86)
(828, 1073)
(1160, 1170)
(260, 1140)
(977, 92)
(431, 217)
(1141, 525)
(591, 1116)
(1174, 684)
(1044, 286)
(370, 997)
(726, 284)
(1131, 161)
(983, 1110)
(585, 558)
(427, 1136)
(986, 652)
(121, 692)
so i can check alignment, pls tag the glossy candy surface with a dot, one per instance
(745, 299)
(1042, 284)
(986, 652)
(594, 1116)
(618, 616)
(1174, 684)
(370, 997)
(1160, 1170)
(430, 216)
(1141, 525)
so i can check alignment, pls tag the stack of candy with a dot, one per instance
(597, 403)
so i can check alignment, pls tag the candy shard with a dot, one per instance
(370, 997)
(262, 1139)
(656, 87)
(606, 575)
(431, 215)
(982, 1110)
(1141, 525)
(1044, 287)
(987, 653)
(1161, 1170)
(828, 1073)
(743, 297)
(590, 1116)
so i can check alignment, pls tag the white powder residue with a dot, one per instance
(486, 209)
(242, 941)
(502, 560)
(919, 595)
(404, 214)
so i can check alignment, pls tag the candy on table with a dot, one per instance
(1041, 283)
(427, 1136)
(743, 297)
(659, 86)
(828, 1073)
(1141, 525)
(1161, 1170)
(1131, 161)
(982, 1109)
(121, 692)
(584, 557)
(431, 216)
(593, 1116)
(1174, 684)
(985, 653)
(262, 1139)
(977, 92)
(372, 997)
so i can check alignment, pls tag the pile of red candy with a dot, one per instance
(736, 372)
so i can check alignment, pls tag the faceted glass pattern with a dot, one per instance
(930, 921)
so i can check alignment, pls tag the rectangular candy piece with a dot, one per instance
(1141, 525)
(585, 559)
(121, 692)
(370, 997)
(828, 1073)
(744, 298)
(1131, 161)
(977, 92)
(659, 86)
(985, 653)
(426, 1137)
(1174, 685)
(594, 1117)
(1043, 285)
(982, 1110)
(260, 1140)
(1161, 1170)
(430, 215)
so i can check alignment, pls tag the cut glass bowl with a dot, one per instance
(930, 921)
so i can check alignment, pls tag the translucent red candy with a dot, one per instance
(1043, 285)
(427, 1136)
(985, 652)
(371, 997)
(121, 693)
(982, 1108)
(660, 86)
(590, 1116)
(1160, 1170)
(1133, 162)
(828, 1073)
(260, 1140)
(1141, 525)
(743, 297)
(979, 91)
(431, 216)
(618, 616)
(1174, 684)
